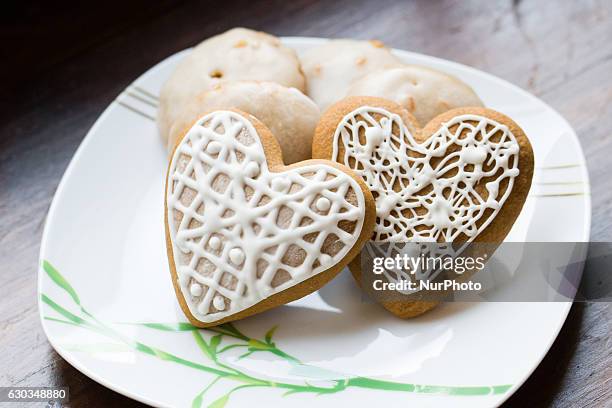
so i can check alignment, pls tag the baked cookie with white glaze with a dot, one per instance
(237, 54)
(244, 232)
(288, 113)
(423, 91)
(461, 179)
(332, 67)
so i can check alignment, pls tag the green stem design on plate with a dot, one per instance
(228, 330)
(213, 348)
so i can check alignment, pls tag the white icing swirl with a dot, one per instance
(428, 191)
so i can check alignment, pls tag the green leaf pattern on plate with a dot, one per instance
(212, 348)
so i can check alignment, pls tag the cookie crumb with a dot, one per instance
(216, 74)
(361, 61)
(241, 44)
(377, 43)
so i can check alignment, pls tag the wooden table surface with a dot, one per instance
(63, 64)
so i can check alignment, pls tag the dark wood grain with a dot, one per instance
(62, 65)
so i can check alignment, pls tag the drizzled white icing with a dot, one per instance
(323, 204)
(219, 303)
(214, 243)
(236, 256)
(195, 289)
(241, 233)
(430, 191)
(427, 191)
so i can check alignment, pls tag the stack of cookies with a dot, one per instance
(282, 168)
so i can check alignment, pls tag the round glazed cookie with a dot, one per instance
(332, 67)
(424, 92)
(244, 232)
(237, 54)
(461, 179)
(289, 114)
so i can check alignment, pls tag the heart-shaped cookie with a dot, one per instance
(245, 233)
(461, 179)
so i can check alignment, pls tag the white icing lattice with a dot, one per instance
(430, 191)
(241, 233)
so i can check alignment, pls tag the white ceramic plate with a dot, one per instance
(108, 307)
